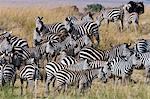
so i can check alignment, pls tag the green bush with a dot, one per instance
(93, 7)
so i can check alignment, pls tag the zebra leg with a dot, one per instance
(135, 24)
(147, 74)
(31, 86)
(35, 88)
(54, 79)
(13, 82)
(121, 25)
(27, 86)
(21, 80)
(48, 81)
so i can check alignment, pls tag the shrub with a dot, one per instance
(93, 7)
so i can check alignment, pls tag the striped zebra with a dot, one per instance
(64, 59)
(145, 61)
(7, 71)
(120, 50)
(88, 17)
(15, 41)
(89, 53)
(52, 67)
(83, 79)
(49, 28)
(121, 68)
(87, 28)
(82, 42)
(130, 18)
(30, 73)
(66, 45)
(112, 15)
(39, 38)
(5, 46)
(142, 45)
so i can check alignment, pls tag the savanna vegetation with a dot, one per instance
(21, 21)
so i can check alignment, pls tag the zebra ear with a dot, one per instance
(41, 18)
(66, 19)
(128, 45)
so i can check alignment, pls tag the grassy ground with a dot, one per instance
(21, 21)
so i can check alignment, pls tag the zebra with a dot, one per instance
(121, 68)
(5, 46)
(83, 79)
(30, 73)
(85, 18)
(112, 15)
(49, 28)
(130, 17)
(66, 45)
(142, 45)
(52, 67)
(38, 38)
(89, 53)
(120, 50)
(64, 59)
(88, 28)
(145, 61)
(7, 71)
(88, 17)
(15, 41)
(82, 42)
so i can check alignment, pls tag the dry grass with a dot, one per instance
(21, 21)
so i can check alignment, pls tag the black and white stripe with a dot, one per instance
(145, 61)
(83, 79)
(112, 15)
(52, 67)
(49, 28)
(142, 45)
(30, 73)
(121, 68)
(16, 41)
(130, 17)
(87, 28)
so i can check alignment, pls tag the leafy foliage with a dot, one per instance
(93, 7)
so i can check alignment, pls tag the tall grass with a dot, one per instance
(21, 20)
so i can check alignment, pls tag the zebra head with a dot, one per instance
(95, 39)
(37, 37)
(126, 52)
(39, 23)
(2, 59)
(6, 34)
(102, 75)
(136, 59)
(5, 46)
(68, 24)
(49, 48)
(73, 19)
(88, 17)
(126, 7)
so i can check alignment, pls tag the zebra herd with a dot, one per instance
(69, 51)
